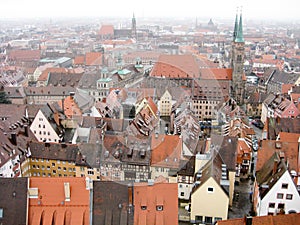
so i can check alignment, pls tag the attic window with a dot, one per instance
(210, 189)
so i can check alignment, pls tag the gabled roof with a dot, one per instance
(270, 173)
(288, 151)
(106, 30)
(166, 150)
(212, 169)
(227, 148)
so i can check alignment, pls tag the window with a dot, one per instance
(143, 207)
(159, 208)
(271, 205)
(210, 189)
(218, 218)
(199, 218)
(289, 196)
(53, 164)
(284, 186)
(208, 219)
(1, 212)
(281, 206)
(181, 194)
(279, 195)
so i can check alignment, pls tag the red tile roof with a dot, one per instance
(25, 55)
(79, 60)
(180, 66)
(106, 30)
(51, 204)
(156, 204)
(186, 66)
(70, 107)
(166, 150)
(93, 58)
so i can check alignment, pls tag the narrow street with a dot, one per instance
(241, 202)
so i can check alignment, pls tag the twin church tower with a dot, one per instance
(237, 61)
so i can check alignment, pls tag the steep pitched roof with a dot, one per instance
(112, 203)
(181, 66)
(166, 150)
(270, 173)
(60, 200)
(156, 204)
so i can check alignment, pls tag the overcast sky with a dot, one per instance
(260, 9)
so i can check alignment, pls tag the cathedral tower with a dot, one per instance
(237, 61)
(133, 27)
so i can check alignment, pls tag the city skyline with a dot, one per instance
(254, 9)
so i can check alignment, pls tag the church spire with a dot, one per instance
(240, 35)
(236, 25)
(133, 27)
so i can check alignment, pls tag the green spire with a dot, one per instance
(236, 26)
(240, 36)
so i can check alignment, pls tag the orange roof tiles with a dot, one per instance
(186, 66)
(70, 107)
(289, 150)
(176, 66)
(216, 74)
(79, 60)
(166, 150)
(52, 206)
(93, 58)
(156, 204)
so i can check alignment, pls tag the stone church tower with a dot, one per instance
(237, 62)
(133, 27)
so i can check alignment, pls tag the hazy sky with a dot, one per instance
(287, 9)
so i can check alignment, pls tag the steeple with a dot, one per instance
(240, 35)
(236, 26)
(133, 27)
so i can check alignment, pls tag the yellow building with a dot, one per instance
(52, 160)
(212, 185)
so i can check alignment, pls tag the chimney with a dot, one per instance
(26, 130)
(67, 192)
(249, 220)
(275, 165)
(14, 138)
